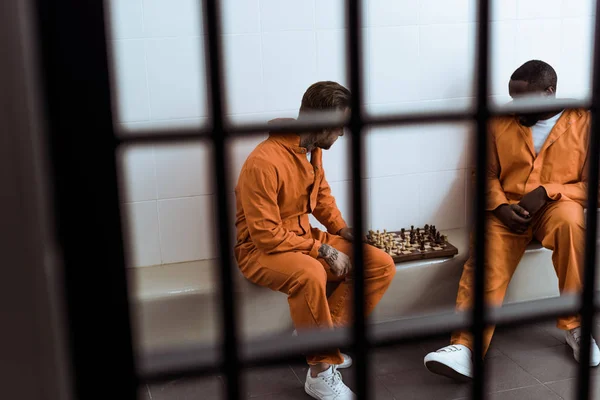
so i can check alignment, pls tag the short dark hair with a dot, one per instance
(537, 73)
(325, 96)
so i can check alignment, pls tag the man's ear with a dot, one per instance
(550, 90)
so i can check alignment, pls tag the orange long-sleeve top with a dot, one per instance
(514, 169)
(277, 189)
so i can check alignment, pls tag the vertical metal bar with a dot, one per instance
(483, 114)
(587, 304)
(212, 19)
(356, 161)
(75, 74)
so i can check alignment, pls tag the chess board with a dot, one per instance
(414, 243)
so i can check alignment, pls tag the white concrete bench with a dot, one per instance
(178, 303)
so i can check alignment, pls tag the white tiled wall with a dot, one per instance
(418, 55)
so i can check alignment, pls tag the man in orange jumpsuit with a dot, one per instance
(537, 182)
(280, 184)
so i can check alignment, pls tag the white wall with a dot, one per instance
(419, 55)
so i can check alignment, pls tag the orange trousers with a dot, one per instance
(559, 227)
(304, 280)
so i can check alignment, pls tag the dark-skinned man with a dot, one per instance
(537, 183)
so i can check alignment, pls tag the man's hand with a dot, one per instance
(513, 216)
(338, 262)
(535, 200)
(347, 234)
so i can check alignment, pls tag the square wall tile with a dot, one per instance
(126, 19)
(446, 61)
(335, 161)
(187, 229)
(502, 55)
(285, 15)
(137, 173)
(240, 16)
(183, 170)
(537, 40)
(141, 233)
(129, 79)
(176, 77)
(446, 12)
(503, 9)
(539, 9)
(394, 202)
(331, 56)
(290, 64)
(243, 73)
(162, 125)
(390, 12)
(343, 198)
(443, 147)
(172, 18)
(576, 56)
(239, 148)
(392, 70)
(330, 14)
(442, 199)
(262, 117)
(578, 8)
(392, 151)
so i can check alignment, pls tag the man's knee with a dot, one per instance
(382, 262)
(569, 224)
(313, 275)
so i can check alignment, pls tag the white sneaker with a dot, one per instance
(328, 385)
(574, 338)
(347, 363)
(452, 361)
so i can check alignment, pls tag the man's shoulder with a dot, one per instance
(264, 156)
(500, 124)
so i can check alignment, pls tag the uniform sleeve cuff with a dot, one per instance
(553, 190)
(337, 225)
(314, 251)
(493, 203)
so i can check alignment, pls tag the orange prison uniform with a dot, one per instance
(515, 170)
(276, 246)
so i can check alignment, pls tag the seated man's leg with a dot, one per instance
(561, 228)
(303, 279)
(504, 250)
(379, 272)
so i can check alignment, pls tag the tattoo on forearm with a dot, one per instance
(328, 253)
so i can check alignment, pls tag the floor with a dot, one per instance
(524, 363)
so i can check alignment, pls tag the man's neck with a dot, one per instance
(550, 115)
(307, 141)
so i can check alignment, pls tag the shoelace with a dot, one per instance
(335, 382)
(449, 349)
(576, 335)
